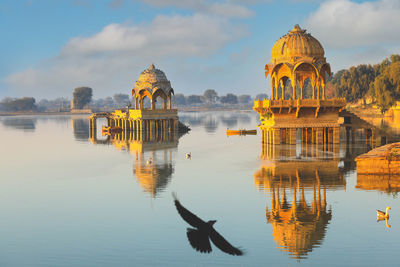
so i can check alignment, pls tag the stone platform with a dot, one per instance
(381, 160)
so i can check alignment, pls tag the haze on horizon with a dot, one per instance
(51, 47)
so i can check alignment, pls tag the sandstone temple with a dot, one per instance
(298, 62)
(144, 121)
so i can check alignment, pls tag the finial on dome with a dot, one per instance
(152, 67)
(297, 29)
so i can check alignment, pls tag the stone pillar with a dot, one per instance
(283, 89)
(292, 136)
(312, 135)
(142, 126)
(277, 136)
(336, 136)
(263, 135)
(176, 125)
(306, 135)
(273, 92)
(170, 102)
(319, 136)
(330, 135)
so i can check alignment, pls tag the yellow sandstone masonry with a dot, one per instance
(382, 160)
(298, 57)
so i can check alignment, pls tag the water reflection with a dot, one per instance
(292, 174)
(26, 124)
(389, 184)
(80, 127)
(154, 173)
(210, 124)
(153, 166)
(211, 121)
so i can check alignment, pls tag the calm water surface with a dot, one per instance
(68, 200)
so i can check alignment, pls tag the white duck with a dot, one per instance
(189, 155)
(149, 161)
(383, 215)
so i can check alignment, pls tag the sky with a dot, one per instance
(49, 47)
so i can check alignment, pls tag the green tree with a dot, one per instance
(354, 83)
(229, 99)
(18, 104)
(179, 100)
(383, 93)
(261, 96)
(193, 99)
(121, 100)
(210, 96)
(82, 96)
(244, 99)
(386, 86)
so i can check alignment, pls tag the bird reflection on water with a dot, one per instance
(199, 237)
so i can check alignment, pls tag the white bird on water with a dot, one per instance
(189, 155)
(383, 215)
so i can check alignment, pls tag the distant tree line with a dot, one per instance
(380, 82)
(83, 98)
(18, 104)
(210, 98)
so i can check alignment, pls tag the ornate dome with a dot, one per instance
(151, 80)
(296, 45)
(297, 56)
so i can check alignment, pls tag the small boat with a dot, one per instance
(241, 132)
(111, 130)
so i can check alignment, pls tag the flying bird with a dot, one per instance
(199, 236)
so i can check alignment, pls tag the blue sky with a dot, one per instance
(50, 47)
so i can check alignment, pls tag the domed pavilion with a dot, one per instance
(298, 56)
(298, 59)
(144, 122)
(152, 83)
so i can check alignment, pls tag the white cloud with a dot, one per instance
(114, 57)
(344, 23)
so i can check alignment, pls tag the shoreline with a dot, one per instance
(9, 114)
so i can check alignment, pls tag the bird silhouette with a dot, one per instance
(199, 237)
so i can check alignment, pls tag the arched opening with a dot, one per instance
(144, 99)
(281, 73)
(307, 89)
(306, 74)
(159, 99)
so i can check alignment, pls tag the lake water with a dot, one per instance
(67, 200)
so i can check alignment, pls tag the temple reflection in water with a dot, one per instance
(153, 166)
(389, 184)
(297, 181)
